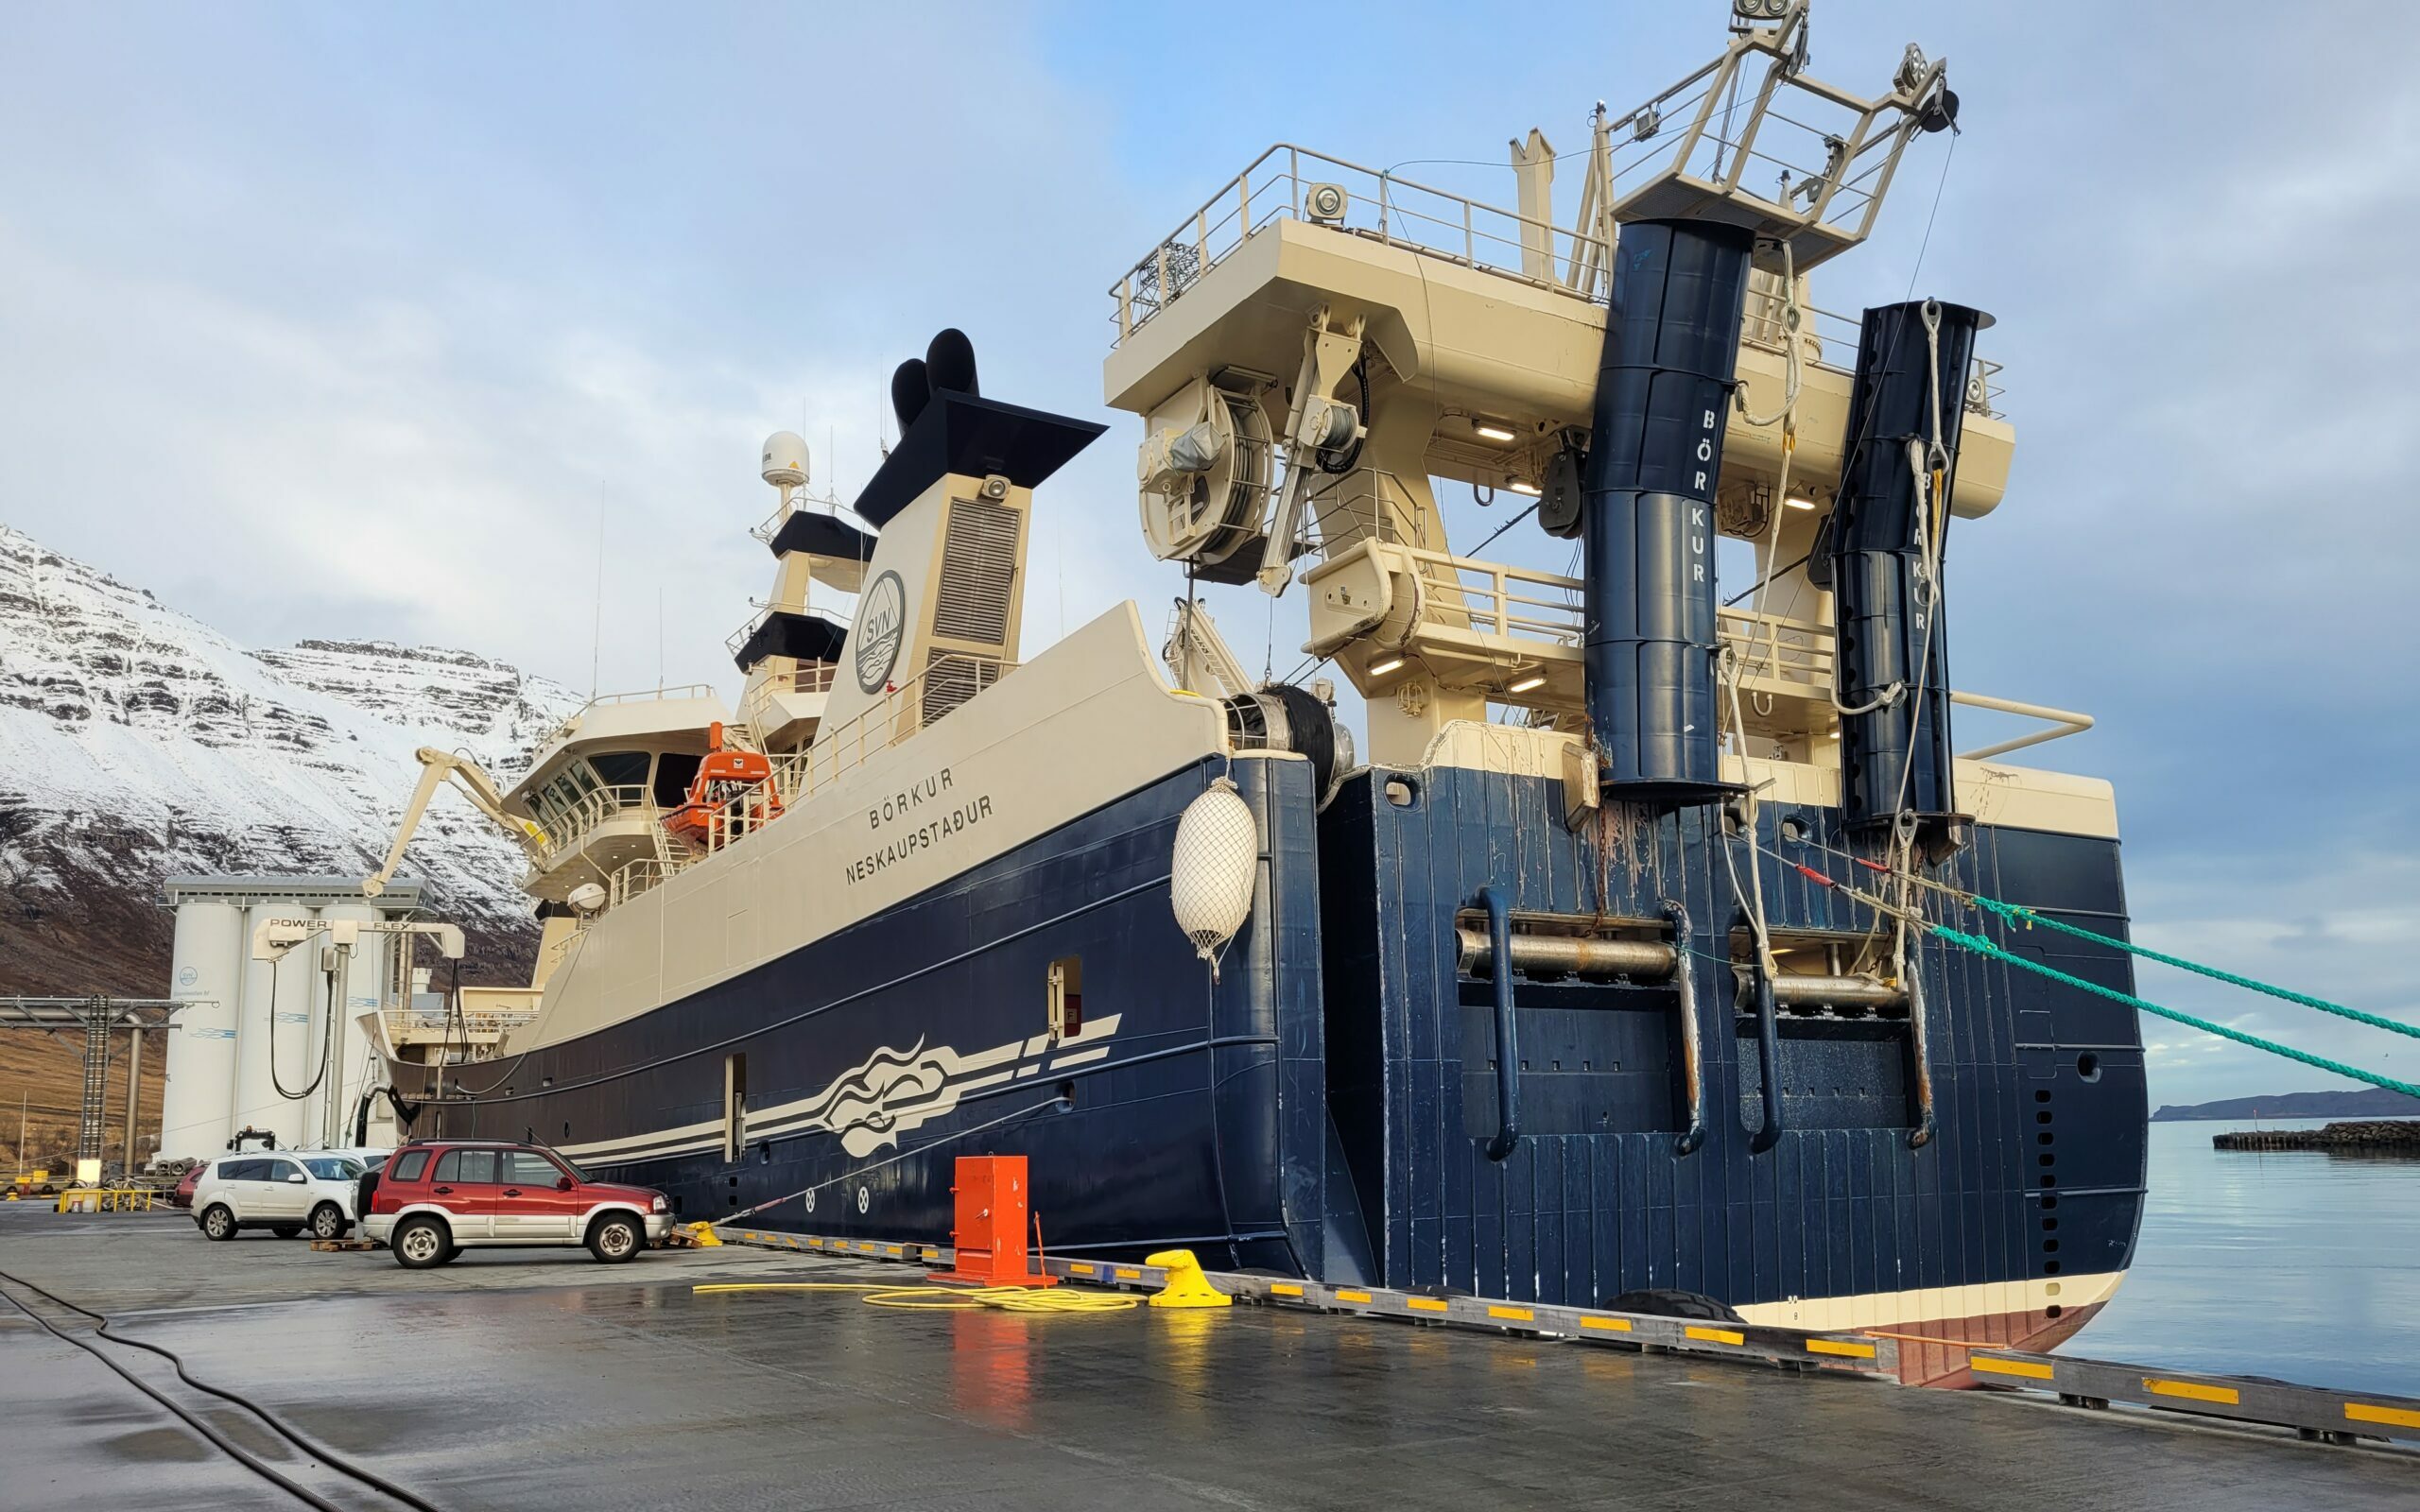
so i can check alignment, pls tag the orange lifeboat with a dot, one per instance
(737, 785)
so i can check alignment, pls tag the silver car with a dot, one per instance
(283, 1192)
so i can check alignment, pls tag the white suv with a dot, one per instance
(282, 1191)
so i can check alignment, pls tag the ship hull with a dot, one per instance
(1322, 1105)
(1184, 1110)
(2031, 1176)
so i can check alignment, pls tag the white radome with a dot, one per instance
(786, 459)
(1214, 870)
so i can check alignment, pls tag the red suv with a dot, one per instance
(439, 1197)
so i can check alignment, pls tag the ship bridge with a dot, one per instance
(600, 783)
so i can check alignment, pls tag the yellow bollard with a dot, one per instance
(702, 1235)
(1187, 1286)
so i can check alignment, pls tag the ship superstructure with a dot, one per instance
(1582, 973)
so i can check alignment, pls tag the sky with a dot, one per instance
(461, 324)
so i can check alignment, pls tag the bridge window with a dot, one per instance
(674, 771)
(620, 768)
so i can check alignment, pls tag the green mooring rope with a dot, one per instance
(2017, 915)
(1983, 947)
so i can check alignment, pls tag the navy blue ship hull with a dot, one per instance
(1322, 1107)
(1203, 1124)
(2035, 1170)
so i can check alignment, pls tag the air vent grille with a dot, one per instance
(978, 572)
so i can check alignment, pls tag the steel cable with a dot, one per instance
(238, 1452)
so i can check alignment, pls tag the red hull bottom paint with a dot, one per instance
(1943, 1364)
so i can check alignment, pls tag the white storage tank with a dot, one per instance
(198, 1097)
(357, 994)
(272, 1042)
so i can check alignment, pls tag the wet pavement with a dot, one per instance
(540, 1379)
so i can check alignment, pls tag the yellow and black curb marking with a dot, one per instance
(1850, 1352)
(2335, 1416)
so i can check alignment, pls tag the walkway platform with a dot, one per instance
(540, 1379)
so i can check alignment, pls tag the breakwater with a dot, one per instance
(2383, 1136)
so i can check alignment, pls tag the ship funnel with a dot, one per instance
(1663, 393)
(1883, 561)
(910, 391)
(947, 367)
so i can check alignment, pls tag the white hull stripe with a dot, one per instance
(871, 1104)
(1935, 1304)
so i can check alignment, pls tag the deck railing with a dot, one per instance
(807, 677)
(945, 683)
(1379, 205)
(475, 1023)
(1776, 655)
(1366, 502)
(1384, 207)
(686, 690)
(567, 829)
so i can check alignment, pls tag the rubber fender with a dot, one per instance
(1663, 1302)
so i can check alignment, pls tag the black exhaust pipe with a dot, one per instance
(1890, 640)
(1663, 394)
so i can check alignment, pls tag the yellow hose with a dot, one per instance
(951, 1298)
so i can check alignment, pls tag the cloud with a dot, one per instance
(364, 322)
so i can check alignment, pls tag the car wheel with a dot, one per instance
(616, 1239)
(421, 1242)
(327, 1221)
(285, 1230)
(218, 1222)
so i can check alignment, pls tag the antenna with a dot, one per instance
(597, 619)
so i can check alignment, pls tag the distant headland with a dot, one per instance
(2363, 1102)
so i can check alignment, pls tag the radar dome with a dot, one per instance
(785, 458)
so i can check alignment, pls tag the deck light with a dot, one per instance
(1523, 486)
(1384, 666)
(1799, 504)
(1494, 430)
(1535, 680)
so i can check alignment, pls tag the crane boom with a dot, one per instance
(437, 767)
(1197, 654)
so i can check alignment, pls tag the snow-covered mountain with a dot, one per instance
(138, 743)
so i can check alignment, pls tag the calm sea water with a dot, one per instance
(2302, 1266)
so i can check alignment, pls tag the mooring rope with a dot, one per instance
(1984, 947)
(2018, 914)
